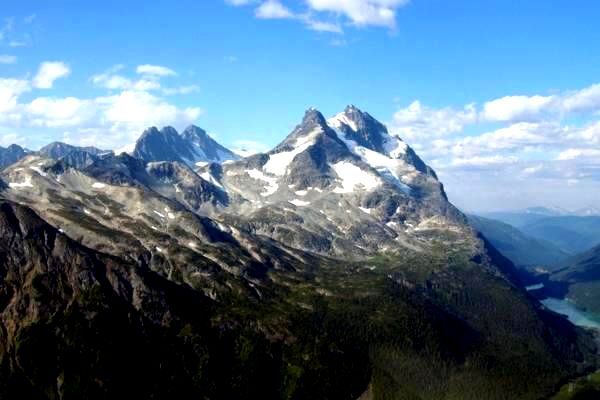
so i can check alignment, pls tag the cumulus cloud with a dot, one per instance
(111, 121)
(483, 161)
(573, 154)
(10, 90)
(329, 15)
(273, 9)
(12, 138)
(362, 12)
(517, 142)
(49, 72)
(539, 107)
(421, 122)
(172, 91)
(59, 112)
(155, 70)
(517, 108)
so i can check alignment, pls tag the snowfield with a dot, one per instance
(352, 176)
(279, 162)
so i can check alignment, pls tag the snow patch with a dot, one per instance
(39, 171)
(98, 185)
(207, 176)
(353, 176)
(365, 210)
(340, 119)
(159, 214)
(299, 203)
(272, 184)
(301, 192)
(388, 164)
(279, 162)
(26, 183)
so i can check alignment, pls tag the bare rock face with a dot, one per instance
(191, 147)
(11, 155)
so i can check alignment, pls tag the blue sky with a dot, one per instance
(501, 97)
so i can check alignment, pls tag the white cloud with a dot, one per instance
(418, 122)
(109, 121)
(517, 137)
(513, 150)
(155, 70)
(517, 108)
(49, 72)
(60, 112)
(587, 99)
(181, 90)
(322, 26)
(12, 138)
(330, 15)
(362, 12)
(138, 107)
(10, 90)
(273, 9)
(17, 43)
(534, 169)
(572, 154)
(537, 107)
(483, 161)
(7, 59)
(110, 79)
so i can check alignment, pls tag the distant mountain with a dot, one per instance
(11, 155)
(588, 211)
(57, 150)
(191, 147)
(580, 277)
(521, 249)
(571, 234)
(520, 218)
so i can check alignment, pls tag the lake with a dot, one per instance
(575, 315)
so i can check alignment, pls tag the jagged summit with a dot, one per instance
(362, 128)
(312, 126)
(362, 132)
(57, 150)
(191, 147)
(11, 154)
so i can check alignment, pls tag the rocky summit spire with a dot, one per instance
(193, 146)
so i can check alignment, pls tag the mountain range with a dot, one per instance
(11, 154)
(192, 147)
(570, 233)
(523, 250)
(333, 266)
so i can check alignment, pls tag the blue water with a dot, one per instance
(575, 315)
(534, 287)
